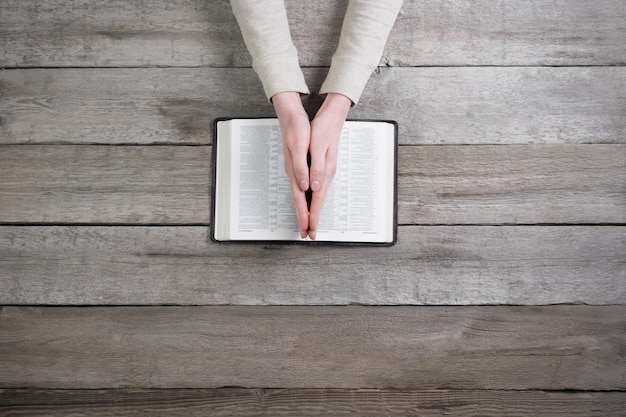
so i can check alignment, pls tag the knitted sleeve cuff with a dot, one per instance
(347, 76)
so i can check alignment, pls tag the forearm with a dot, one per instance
(365, 30)
(265, 31)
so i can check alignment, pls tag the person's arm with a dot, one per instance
(265, 30)
(366, 27)
(296, 131)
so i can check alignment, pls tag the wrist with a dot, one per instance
(336, 103)
(287, 103)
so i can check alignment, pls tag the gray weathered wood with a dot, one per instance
(105, 184)
(545, 348)
(527, 184)
(127, 106)
(308, 402)
(512, 184)
(500, 105)
(434, 265)
(204, 33)
(432, 105)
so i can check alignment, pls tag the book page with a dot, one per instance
(359, 204)
(221, 214)
(360, 201)
(263, 203)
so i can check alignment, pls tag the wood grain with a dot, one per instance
(544, 348)
(435, 105)
(308, 402)
(530, 184)
(436, 265)
(512, 184)
(194, 33)
(105, 184)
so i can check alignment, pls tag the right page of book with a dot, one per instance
(359, 206)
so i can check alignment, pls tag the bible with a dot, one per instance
(252, 196)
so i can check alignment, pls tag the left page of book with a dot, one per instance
(257, 204)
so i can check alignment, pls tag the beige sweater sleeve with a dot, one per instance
(365, 29)
(265, 30)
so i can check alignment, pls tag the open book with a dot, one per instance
(252, 196)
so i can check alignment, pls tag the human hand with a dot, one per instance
(319, 137)
(324, 145)
(296, 132)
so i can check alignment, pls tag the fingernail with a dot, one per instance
(315, 185)
(303, 185)
(312, 234)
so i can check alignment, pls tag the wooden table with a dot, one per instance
(506, 292)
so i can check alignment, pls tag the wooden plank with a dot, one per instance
(500, 105)
(124, 106)
(544, 348)
(309, 402)
(204, 33)
(434, 265)
(512, 184)
(105, 184)
(432, 105)
(530, 184)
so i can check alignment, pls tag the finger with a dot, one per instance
(317, 171)
(317, 202)
(315, 212)
(318, 198)
(299, 198)
(296, 163)
(302, 210)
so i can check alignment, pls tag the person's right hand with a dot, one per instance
(325, 134)
(296, 132)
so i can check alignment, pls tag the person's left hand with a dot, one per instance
(296, 133)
